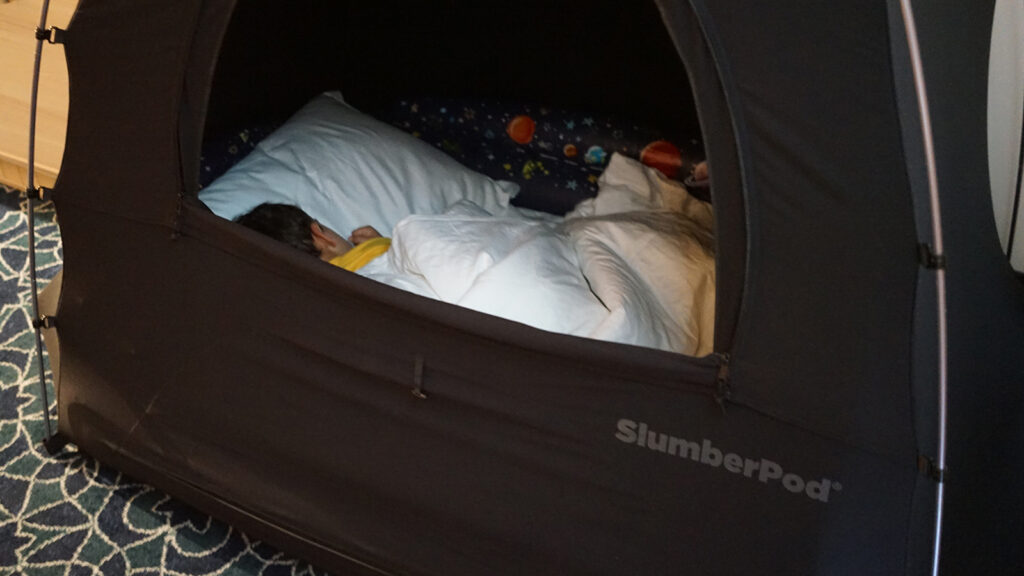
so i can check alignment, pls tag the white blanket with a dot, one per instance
(634, 266)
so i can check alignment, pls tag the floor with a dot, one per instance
(68, 514)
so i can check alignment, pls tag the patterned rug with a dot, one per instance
(68, 514)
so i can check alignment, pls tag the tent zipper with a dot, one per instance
(723, 389)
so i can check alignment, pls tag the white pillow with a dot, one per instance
(348, 170)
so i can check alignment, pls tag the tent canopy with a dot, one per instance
(828, 355)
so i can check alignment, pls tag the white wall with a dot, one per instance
(1005, 110)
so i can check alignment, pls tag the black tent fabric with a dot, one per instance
(275, 392)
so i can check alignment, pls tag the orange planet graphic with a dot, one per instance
(570, 150)
(520, 129)
(662, 155)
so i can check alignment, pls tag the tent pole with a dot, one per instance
(33, 194)
(940, 277)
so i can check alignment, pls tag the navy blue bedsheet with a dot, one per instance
(555, 155)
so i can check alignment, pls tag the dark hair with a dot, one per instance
(282, 222)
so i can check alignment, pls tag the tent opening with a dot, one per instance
(539, 106)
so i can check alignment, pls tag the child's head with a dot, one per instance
(282, 222)
(291, 225)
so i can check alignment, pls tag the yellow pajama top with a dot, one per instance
(361, 255)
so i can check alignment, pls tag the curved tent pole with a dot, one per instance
(940, 277)
(34, 194)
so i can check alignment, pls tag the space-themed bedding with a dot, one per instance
(634, 265)
(555, 155)
(631, 262)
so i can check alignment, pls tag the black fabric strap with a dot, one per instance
(41, 193)
(44, 322)
(928, 467)
(930, 259)
(53, 35)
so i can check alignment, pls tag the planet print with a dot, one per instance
(595, 155)
(663, 156)
(520, 129)
(570, 150)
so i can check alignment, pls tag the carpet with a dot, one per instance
(68, 514)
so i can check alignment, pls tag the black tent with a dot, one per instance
(865, 312)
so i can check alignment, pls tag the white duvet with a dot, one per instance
(635, 265)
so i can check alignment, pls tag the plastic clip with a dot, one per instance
(929, 259)
(41, 194)
(929, 468)
(44, 322)
(53, 35)
(55, 443)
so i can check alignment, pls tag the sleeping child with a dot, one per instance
(291, 225)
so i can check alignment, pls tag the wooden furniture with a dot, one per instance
(18, 21)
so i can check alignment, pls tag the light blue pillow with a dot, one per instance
(348, 170)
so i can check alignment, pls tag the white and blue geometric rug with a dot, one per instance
(68, 514)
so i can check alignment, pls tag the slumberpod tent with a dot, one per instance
(868, 376)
